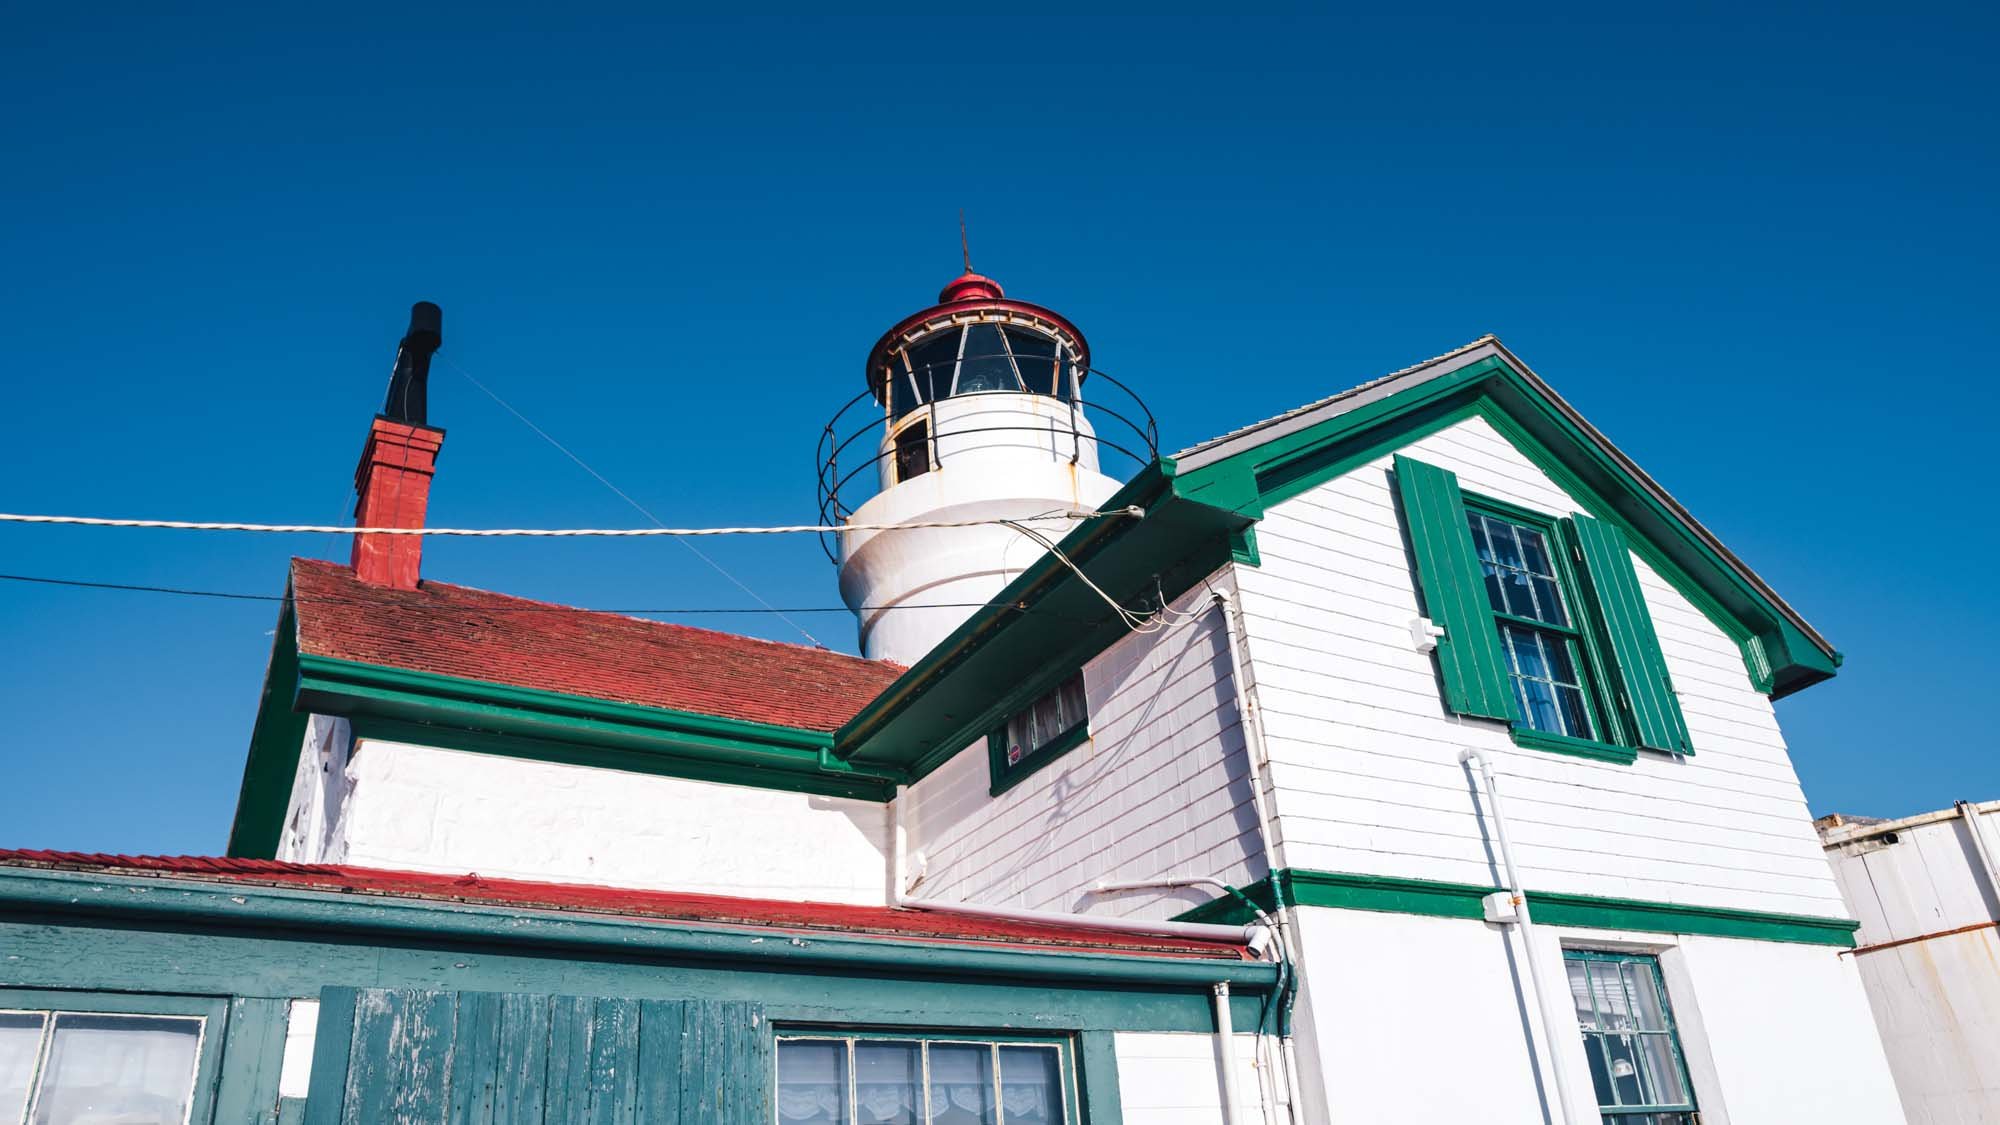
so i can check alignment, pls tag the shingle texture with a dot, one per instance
(478, 635)
(664, 906)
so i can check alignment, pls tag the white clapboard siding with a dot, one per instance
(1175, 1079)
(1160, 789)
(1364, 756)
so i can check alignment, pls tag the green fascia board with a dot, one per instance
(275, 741)
(1045, 625)
(427, 707)
(403, 705)
(126, 902)
(1267, 474)
(1343, 891)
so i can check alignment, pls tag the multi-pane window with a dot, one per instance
(980, 357)
(1539, 635)
(1628, 1034)
(1057, 720)
(59, 1068)
(884, 1080)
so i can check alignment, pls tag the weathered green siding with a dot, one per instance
(485, 1058)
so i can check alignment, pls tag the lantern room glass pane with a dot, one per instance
(1035, 358)
(137, 1070)
(812, 1081)
(1031, 1085)
(961, 1084)
(984, 365)
(933, 360)
(20, 1042)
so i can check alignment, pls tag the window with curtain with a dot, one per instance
(1056, 721)
(80, 1068)
(1629, 1037)
(898, 1080)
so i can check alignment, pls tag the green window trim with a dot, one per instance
(1470, 663)
(1617, 666)
(212, 1011)
(1006, 774)
(1639, 989)
(1070, 1080)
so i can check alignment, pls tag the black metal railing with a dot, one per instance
(848, 476)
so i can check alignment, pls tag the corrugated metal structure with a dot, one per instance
(1927, 891)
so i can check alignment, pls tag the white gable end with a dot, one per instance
(1365, 756)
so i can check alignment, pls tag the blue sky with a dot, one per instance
(1754, 247)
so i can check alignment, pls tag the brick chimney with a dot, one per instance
(393, 481)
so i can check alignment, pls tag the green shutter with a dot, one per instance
(485, 1058)
(1454, 595)
(1640, 671)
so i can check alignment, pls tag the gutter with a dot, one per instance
(1079, 545)
(311, 915)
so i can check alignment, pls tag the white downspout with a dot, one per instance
(1225, 1042)
(1968, 811)
(1259, 754)
(1558, 1056)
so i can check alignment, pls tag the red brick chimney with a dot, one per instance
(393, 483)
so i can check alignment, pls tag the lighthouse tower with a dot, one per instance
(981, 417)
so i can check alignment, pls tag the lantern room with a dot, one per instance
(974, 409)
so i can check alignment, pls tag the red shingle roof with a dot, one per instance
(478, 635)
(821, 917)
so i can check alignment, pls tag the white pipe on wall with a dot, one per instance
(1525, 921)
(1225, 1043)
(1258, 751)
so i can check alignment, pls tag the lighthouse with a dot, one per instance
(974, 411)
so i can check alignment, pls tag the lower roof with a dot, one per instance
(929, 927)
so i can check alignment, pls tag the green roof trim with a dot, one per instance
(399, 704)
(275, 743)
(1045, 624)
(1343, 891)
(1200, 514)
(42, 896)
(1783, 653)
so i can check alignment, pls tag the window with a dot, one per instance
(1037, 734)
(961, 359)
(1539, 636)
(896, 1080)
(59, 1067)
(913, 450)
(1541, 622)
(1628, 1034)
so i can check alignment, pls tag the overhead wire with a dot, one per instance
(625, 496)
(232, 595)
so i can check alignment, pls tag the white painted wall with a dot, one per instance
(998, 456)
(1161, 788)
(1364, 756)
(1174, 1078)
(1429, 1021)
(422, 808)
(1936, 1000)
(319, 790)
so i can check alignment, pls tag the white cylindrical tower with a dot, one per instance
(981, 417)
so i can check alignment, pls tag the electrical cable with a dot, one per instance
(544, 532)
(625, 496)
(229, 595)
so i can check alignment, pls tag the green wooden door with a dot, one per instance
(487, 1058)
